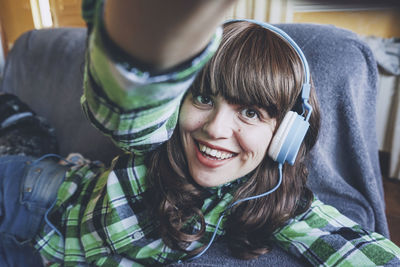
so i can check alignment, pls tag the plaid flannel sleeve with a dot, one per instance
(325, 237)
(137, 109)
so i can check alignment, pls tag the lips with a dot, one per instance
(215, 153)
(212, 156)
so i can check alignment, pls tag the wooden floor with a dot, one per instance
(392, 199)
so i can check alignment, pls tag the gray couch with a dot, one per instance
(44, 69)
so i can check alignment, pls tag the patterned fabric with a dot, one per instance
(101, 216)
(325, 237)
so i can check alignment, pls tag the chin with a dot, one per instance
(205, 182)
(209, 180)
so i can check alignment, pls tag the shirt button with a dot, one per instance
(138, 235)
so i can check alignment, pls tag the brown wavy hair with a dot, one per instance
(253, 66)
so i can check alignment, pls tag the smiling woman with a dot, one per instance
(216, 135)
(226, 123)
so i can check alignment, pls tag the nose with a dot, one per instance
(220, 123)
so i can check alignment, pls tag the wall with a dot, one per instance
(16, 17)
(382, 23)
(67, 13)
(2, 60)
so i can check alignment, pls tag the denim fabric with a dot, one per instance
(27, 191)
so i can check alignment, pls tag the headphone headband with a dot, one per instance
(306, 87)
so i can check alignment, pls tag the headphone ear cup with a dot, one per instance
(288, 138)
(280, 135)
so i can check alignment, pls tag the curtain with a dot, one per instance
(272, 11)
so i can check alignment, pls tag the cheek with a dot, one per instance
(190, 118)
(256, 142)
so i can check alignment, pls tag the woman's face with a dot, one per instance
(222, 141)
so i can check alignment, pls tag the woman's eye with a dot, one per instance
(249, 113)
(203, 99)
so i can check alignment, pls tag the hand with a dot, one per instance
(163, 33)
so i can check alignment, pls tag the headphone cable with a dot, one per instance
(229, 207)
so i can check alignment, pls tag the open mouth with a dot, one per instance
(213, 153)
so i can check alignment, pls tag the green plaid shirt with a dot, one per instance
(101, 218)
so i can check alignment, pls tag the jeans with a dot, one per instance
(28, 189)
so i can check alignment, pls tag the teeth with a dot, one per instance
(215, 153)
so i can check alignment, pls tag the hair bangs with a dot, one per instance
(252, 67)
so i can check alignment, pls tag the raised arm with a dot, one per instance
(142, 56)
